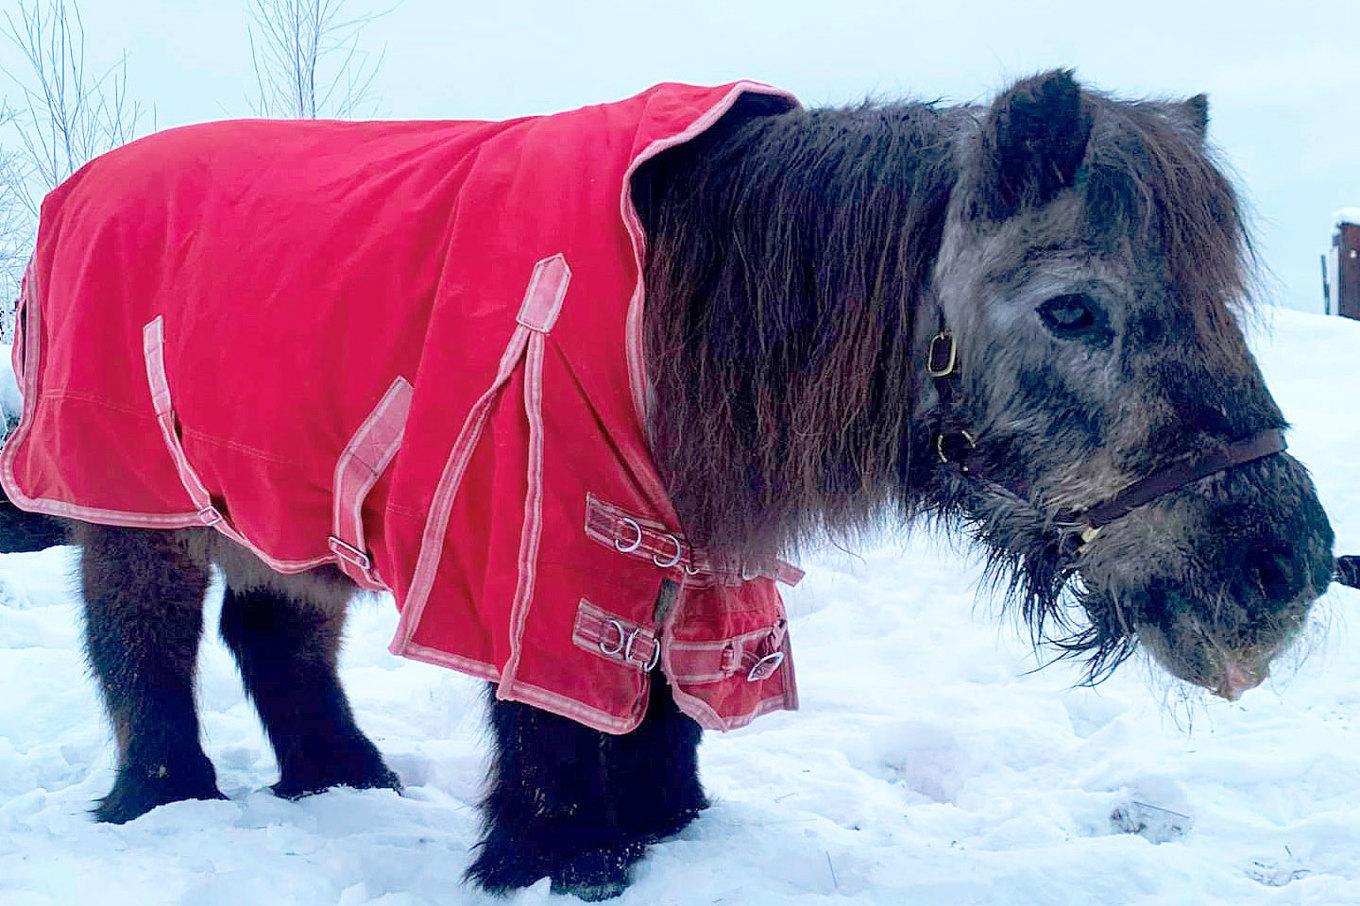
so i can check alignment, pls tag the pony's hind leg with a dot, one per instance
(143, 595)
(657, 768)
(550, 810)
(286, 647)
(581, 806)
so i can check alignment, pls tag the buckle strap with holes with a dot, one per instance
(615, 637)
(638, 537)
(756, 656)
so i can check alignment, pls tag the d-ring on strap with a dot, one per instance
(954, 446)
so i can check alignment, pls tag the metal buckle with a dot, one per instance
(617, 649)
(349, 553)
(628, 651)
(209, 515)
(765, 667)
(943, 356)
(679, 552)
(632, 545)
(939, 444)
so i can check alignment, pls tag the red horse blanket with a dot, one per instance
(411, 350)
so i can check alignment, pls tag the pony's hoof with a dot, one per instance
(295, 788)
(655, 828)
(502, 868)
(138, 791)
(507, 864)
(600, 874)
(591, 893)
(360, 768)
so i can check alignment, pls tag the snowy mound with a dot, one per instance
(928, 765)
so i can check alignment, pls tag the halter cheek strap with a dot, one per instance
(954, 446)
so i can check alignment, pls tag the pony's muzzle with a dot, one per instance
(1238, 678)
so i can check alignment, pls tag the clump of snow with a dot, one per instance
(928, 765)
(1348, 215)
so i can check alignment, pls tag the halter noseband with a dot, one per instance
(954, 446)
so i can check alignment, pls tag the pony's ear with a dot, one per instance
(1194, 112)
(1033, 140)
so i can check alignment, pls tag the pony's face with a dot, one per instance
(1089, 264)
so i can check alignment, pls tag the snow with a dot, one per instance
(11, 404)
(928, 765)
(1348, 215)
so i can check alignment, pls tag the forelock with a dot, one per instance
(1150, 178)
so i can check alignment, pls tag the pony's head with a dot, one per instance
(1092, 267)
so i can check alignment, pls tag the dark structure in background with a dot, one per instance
(1346, 248)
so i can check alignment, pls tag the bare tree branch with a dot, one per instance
(64, 116)
(307, 59)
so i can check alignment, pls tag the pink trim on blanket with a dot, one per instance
(357, 469)
(528, 693)
(32, 357)
(543, 299)
(533, 514)
(153, 350)
(207, 514)
(441, 506)
(637, 365)
(538, 312)
(32, 353)
(124, 518)
(685, 661)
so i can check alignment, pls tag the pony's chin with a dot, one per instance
(1196, 658)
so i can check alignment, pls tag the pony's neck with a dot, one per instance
(787, 256)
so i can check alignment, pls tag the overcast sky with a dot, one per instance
(1283, 77)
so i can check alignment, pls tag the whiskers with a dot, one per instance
(1034, 573)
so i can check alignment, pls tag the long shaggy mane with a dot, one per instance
(788, 256)
(789, 260)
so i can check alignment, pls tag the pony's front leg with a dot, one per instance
(580, 806)
(143, 594)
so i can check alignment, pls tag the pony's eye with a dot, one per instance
(1070, 315)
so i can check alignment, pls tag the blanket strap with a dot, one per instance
(537, 314)
(638, 537)
(153, 349)
(358, 468)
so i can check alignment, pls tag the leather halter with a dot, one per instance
(954, 446)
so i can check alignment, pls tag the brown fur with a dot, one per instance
(779, 333)
(799, 264)
(143, 594)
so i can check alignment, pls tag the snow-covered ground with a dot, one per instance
(928, 765)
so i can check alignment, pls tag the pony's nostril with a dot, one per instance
(1272, 567)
